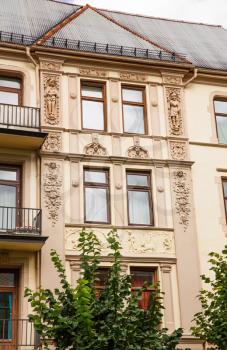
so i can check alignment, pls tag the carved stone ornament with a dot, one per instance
(132, 76)
(95, 148)
(93, 72)
(137, 151)
(54, 66)
(52, 186)
(53, 142)
(182, 197)
(174, 111)
(178, 150)
(171, 79)
(51, 98)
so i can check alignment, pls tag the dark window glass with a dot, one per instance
(10, 91)
(93, 106)
(224, 184)
(133, 101)
(101, 275)
(220, 108)
(140, 277)
(96, 192)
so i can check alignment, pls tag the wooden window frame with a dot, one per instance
(94, 99)
(223, 180)
(98, 287)
(13, 90)
(140, 104)
(17, 183)
(221, 99)
(98, 185)
(140, 189)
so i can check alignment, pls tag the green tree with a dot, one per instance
(211, 322)
(75, 318)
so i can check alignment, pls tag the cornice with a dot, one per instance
(131, 228)
(127, 259)
(207, 144)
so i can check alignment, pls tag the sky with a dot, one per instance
(204, 11)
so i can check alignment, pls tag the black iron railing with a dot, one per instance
(18, 117)
(78, 45)
(18, 334)
(20, 220)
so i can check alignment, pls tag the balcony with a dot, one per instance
(18, 334)
(20, 127)
(20, 229)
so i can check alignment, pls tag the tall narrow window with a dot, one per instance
(140, 277)
(220, 108)
(224, 184)
(10, 91)
(93, 106)
(134, 110)
(102, 275)
(139, 199)
(96, 193)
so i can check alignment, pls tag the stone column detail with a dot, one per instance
(155, 119)
(74, 94)
(75, 272)
(168, 297)
(118, 195)
(114, 106)
(161, 198)
(75, 193)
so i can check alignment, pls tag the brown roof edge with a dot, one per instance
(60, 25)
(137, 34)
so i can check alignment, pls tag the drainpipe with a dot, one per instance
(28, 53)
(192, 78)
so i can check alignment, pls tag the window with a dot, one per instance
(96, 194)
(102, 275)
(139, 199)
(140, 276)
(134, 110)
(10, 91)
(224, 184)
(93, 106)
(220, 109)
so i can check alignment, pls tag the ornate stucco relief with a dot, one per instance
(172, 79)
(92, 72)
(178, 150)
(181, 190)
(133, 243)
(175, 118)
(53, 142)
(51, 86)
(50, 65)
(52, 187)
(137, 151)
(95, 148)
(132, 76)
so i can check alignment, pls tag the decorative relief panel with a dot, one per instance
(93, 72)
(52, 187)
(181, 189)
(51, 87)
(50, 65)
(172, 79)
(137, 151)
(178, 150)
(175, 118)
(137, 243)
(132, 76)
(53, 142)
(95, 148)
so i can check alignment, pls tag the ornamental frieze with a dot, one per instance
(181, 190)
(137, 151)
(95, 148)
(52, 187)
(178, 150)
(132, 76)
(53, 142)
(92, 72)
(51, 86)
(173, 96)
(172, 79)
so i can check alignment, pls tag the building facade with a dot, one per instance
(102, 127)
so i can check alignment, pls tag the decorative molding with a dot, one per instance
(52, 186)
(132, 76)
(172, 79)
(173, 96)
(178, 150)
(51, 98)
(50, 65)
(53, 142)
(166, 268)
(95, 148)
(137, 151)
(93, 72)
(182, 197)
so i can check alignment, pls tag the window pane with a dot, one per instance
(10, 82)
(226, 206)
(6, 310)
(225, 188)
(133, 119)
(10, 98)
(96, 204)
(139, 208)
(137, 180)
(95, 176)
(7, 279)
(92, 91)
(220, 106)
(102, 275)
(222, 128)
(139, 277)
(132, 95)
(9, 175)
(93, 116)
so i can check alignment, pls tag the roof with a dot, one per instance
(52, 23)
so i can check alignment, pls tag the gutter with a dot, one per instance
(195, 74)
(28, 54)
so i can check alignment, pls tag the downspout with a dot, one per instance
(28, 53)
(195, 74)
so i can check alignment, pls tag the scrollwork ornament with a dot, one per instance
(137, 151)
(174, 111)
(182, 197)
(178, 150)
(95, 148)
(51, 98)
(53, 142)
(52, 186)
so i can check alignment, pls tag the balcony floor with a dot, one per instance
(20, 241)
(21, 139)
